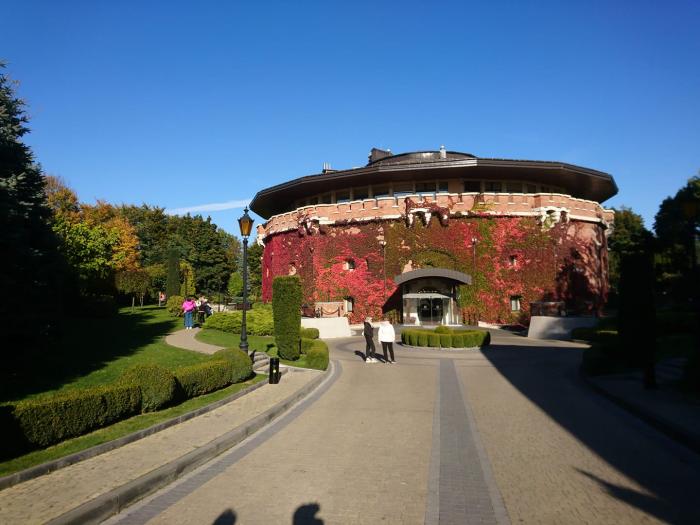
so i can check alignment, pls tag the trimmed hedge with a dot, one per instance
(174, 305)
(286, 309)
(423, 339)
(442, 329)
(43, 421)
(242, 367)
(442, 339)
(157, 385)
(308, 333)
(203, 378)
(317, 355)
(305, 345)
(258, 321)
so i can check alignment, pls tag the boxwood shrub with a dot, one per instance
(453, 338)
(286, 309)
(242, 366)
(317, 355)
(308, 333)
(258, 321)
(305, 345)
(422, 339)
(174, 305)
(442, 329)
(157, 385)
(203, 378)
(46, 420)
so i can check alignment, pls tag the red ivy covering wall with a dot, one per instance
(513, 256)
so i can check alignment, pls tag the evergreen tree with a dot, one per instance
(172, 283)
(32, 267)
(255, 253)
(629, 237)
(677, 227)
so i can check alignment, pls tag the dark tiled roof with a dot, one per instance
(578, 181)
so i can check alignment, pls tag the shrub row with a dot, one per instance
(258, 321)
(444, 337)
(309, 333)
(317, 354)
(241, 366)
(202, 378)
(46, 420)
(41, 422)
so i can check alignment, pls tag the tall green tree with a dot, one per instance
(32, 267)
(172, 283)
(629, 237)
(255, 253)
(235, 284)
(677, 227)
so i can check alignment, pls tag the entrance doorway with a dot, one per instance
(430, 310)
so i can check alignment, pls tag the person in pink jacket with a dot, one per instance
(189, 306)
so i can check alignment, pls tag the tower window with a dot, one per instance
(472, 186)
(515, 303)
(349, 303)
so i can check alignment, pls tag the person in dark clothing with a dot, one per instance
(369, 339)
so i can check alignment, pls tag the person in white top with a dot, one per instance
(387, 335)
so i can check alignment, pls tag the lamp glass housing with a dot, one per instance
(245, 223)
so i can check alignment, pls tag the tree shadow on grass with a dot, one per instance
(547, 375)
(83, 346)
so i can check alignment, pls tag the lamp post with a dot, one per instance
(382, 243)
(245, 223)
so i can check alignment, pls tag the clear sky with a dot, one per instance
(185, 104)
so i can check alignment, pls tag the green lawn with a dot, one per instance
(255, 342)
(120, 429)
(96, 351)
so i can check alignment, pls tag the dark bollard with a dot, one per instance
(274, 370)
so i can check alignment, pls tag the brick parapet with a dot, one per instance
(462, 204)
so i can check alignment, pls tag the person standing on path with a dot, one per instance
(387, 335)
(189, 306)
(369, 339)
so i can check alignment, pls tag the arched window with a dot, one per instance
(349, 264)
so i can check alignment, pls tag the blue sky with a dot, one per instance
(187, 104)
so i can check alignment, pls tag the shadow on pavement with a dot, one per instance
(228, 517)
(548, 376)
(304, 515)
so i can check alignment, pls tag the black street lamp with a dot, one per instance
(246, 225)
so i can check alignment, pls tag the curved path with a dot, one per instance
(185, 339)
(507, 435)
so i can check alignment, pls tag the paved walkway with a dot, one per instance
(185, 339)
(508, 435)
